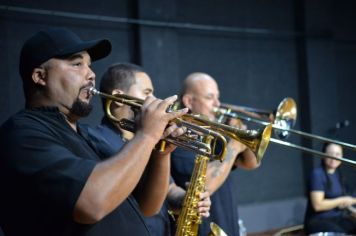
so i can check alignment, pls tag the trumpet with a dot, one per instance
(283, 122)
(255, 140)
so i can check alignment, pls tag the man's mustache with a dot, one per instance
(86, 86)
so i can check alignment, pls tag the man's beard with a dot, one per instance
(80, 108)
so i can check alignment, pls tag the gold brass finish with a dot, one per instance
(255, 140)
(190, 140)
(189, 219)
(210, 132)
(283, 121)
(216, 230)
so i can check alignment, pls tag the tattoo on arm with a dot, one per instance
(216, 165)
(175, 198)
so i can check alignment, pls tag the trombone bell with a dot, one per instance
(283, 122)
(286, 116)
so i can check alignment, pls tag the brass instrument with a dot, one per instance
(190, 140)
(283, 121)
(189, 219)
(216, 230)
(255, 140)
(210, 132)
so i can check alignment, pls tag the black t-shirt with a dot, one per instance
(318, 181)
(44, 165)
(106, 139)
(223, 210)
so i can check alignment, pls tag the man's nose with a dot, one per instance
(90, 74)
(217, 102)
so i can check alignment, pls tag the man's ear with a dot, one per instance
(39, 76)
(117, 91)
(187, 100)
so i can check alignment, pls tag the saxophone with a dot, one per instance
(189, 218)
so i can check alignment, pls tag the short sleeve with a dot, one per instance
(43, 168)
(317, 180)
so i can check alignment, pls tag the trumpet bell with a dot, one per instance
(264, 141)
(286, 116)
(256, 141)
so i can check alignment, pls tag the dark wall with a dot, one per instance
(331, 69)
(258, 51)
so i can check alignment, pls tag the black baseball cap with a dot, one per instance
(57, 43)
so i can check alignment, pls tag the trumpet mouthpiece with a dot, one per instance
(93, 91)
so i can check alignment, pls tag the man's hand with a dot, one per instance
(153, 118)
(163, 147)
(204, 204)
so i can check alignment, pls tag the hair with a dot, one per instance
(29, 87)
(119, 76)
(328, 181)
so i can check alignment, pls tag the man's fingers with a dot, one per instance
(203, 209)
(149, 99)
(204, 194)
(205, 203)
(167, 102)
(169, 130)
(177, 114)
(178, 131)
(205, 215)
(174, 131)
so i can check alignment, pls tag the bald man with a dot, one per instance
(200, 93)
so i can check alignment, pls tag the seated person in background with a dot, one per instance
(109, 137)
(327, 202)
(53, 182)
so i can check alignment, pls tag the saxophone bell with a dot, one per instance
(216, 230)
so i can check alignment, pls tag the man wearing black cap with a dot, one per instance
(52, 180)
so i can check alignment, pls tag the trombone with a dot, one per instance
(255, 140)
(283, 120)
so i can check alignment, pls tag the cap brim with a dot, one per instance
(97, 49)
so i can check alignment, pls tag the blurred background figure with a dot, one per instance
(328, 204)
